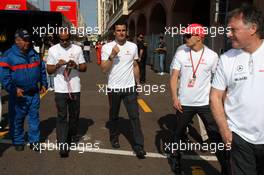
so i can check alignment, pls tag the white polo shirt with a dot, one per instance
(198, 95)
(121, 74)
(73, 52)
(242, 74)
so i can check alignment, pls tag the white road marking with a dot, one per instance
(123, 152)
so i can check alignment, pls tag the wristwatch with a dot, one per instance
(57, 66)
(110, 58)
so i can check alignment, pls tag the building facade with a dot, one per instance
(154, 17)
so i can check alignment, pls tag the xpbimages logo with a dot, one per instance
(210, 31)
(80, 147)
(182, 146)
(50, 30)
(146, 89)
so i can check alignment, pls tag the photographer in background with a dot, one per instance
(65, 61)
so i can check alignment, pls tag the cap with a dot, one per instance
(22, 33)
(194, 28)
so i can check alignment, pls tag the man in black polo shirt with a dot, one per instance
(142, 54)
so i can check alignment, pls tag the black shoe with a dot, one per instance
(64, 150)
(19, 147)
(64, 153)
(115, 142)
(36, 146)
(140, 152)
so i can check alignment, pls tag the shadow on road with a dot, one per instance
(84, 124)
(4, 124)
(47, 127)
(164, 138)
(3, 147)
(124, 128)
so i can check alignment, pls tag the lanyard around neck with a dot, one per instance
(195, 69)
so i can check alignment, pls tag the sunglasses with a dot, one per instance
(188, 36)
(64, 40)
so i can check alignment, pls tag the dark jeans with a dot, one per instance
(142, 69)
(162, 58)
(204, 112)
(129, 97)
(246, 158)
(86, 55)
(67, 128)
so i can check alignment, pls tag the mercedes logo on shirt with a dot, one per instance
(239, 68)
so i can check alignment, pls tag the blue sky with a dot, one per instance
(89, 11)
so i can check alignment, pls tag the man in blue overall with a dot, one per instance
(24, 78)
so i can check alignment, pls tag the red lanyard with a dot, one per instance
(195, 70)
(66, 74)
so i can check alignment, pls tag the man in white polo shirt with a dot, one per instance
(240, 74)
(65, 61)
(119, 58)
(194, 63)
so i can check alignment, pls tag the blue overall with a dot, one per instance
(27, 72)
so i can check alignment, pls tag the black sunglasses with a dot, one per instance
(64, 40)
(188, 36)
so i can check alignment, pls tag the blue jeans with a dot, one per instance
(161, 62)
(50, 79)
(86, 55)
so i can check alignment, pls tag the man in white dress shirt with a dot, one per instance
(240, 73)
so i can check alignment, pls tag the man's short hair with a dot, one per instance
(140, 34)
(250, 15)
(121, 23)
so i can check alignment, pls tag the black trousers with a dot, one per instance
(246, 158)
(86, 55)
(142, 69)
(66, 128)
(204, 112)
(129, 97)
